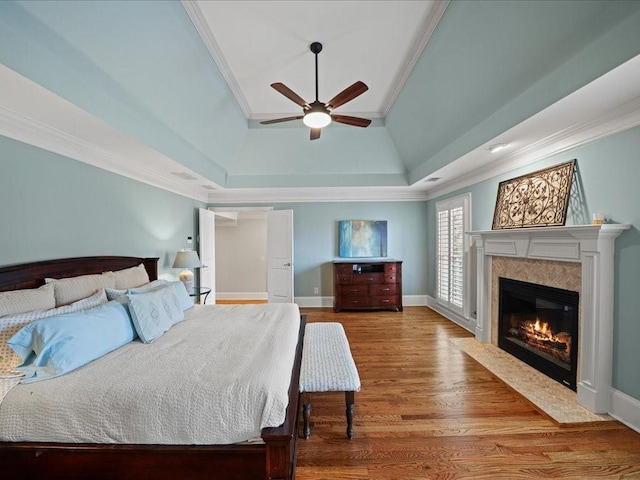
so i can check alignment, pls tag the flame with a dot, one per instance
(542, 328)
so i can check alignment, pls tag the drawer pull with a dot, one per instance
(385, 301)
(384, 289)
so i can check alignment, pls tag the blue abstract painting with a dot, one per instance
(362, 238)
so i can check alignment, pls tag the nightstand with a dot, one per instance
(199, 292)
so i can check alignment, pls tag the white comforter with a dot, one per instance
(218, 377)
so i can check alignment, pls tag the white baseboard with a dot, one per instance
(626, 409)
(241, 296)
(327, 302)
(314, 302)
(466, 323)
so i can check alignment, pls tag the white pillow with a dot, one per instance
(9, 325)
(27, 300)
(69, 290)
(131, 277)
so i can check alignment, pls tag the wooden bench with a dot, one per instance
(327, 366)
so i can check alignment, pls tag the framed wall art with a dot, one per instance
(362, 238)
(538, 199)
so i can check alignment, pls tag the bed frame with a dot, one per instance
(275, 459)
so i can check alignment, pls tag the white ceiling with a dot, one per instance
(376, 42)
(256, 43)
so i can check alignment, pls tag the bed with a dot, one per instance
(272, 456)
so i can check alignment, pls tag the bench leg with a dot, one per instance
(306, 413)
(349, 400)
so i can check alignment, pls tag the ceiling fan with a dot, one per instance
(318, 114)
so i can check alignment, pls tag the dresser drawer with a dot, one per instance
(353, 289)
(354, 301)
(368, 278)
(383, 289)
(342, 279)
(390, 278)
(384, 301)
(390, 268)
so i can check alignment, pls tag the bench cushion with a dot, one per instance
(327, 364)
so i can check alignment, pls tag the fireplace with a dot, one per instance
(539, 325)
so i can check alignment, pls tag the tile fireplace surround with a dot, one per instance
(540, 255)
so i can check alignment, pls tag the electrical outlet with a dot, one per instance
(315, 290)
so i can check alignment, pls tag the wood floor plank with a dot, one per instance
(429, 411)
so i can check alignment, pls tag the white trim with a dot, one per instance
(463, 201)
(202, 26)
(617, 120)
(429, 26)
(33, 132)
(626, 409)
(468, 324)
(319, 194)
(314, 302)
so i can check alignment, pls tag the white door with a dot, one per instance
(207, 252)
(280, 256)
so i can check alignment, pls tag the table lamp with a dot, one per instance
(187, 259)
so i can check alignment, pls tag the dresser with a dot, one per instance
(367, 285)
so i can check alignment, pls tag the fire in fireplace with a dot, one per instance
(539, 325)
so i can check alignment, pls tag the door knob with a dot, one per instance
(287, 265)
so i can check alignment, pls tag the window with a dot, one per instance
(453, 220)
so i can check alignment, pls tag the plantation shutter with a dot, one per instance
(452, 223)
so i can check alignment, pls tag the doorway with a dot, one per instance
(254, 254)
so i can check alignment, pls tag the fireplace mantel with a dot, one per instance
(592, 246)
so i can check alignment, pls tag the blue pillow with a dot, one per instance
(186, 302)
(57, 345)
(154, 312)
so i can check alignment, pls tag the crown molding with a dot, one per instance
(197, 18)
(433, 18)
(27, 130)
(617, 120)
(320, 194)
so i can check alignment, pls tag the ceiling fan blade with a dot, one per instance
(315, 133)
(290, 94)
(347, 120)
(347, 95)
(278, 120)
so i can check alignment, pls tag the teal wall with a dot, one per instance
(315, 234)
(608, 183)
(54, 207)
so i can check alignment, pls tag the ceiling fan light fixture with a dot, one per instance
(317, 119)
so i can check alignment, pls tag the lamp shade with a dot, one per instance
(187, 259)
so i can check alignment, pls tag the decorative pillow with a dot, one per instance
(27, 300)
(11, 324)
(155, 285)
(113, 293)
(131, 277)
(56, 345)
(186, 302)
(68, 290)
(154, 312)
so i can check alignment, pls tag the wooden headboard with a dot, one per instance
(32, 275)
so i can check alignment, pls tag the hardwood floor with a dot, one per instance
(428, 411)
